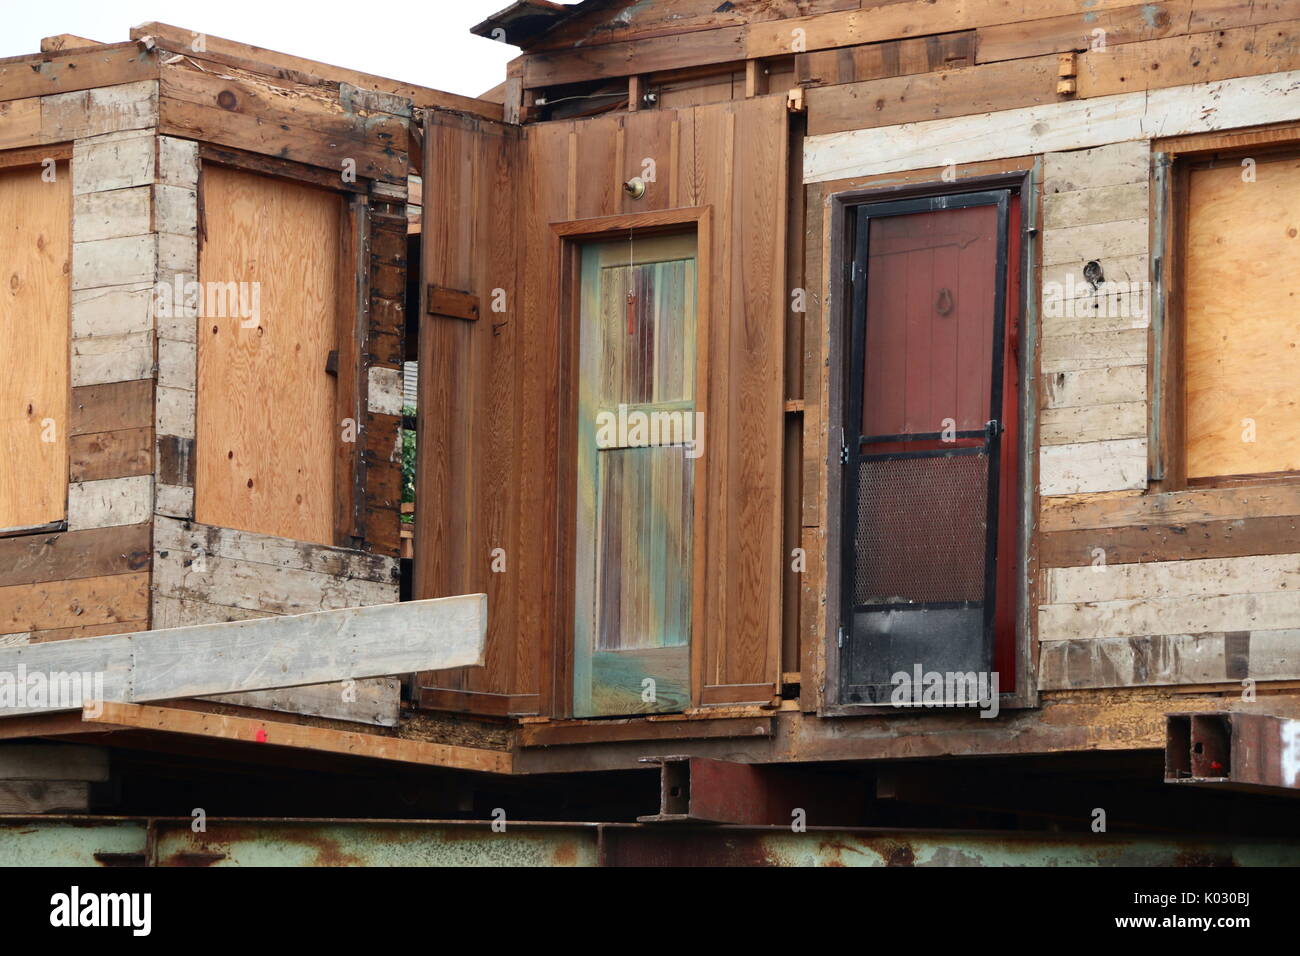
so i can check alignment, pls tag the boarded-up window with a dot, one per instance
(35, 252)
(266, 432)
(1242, 295)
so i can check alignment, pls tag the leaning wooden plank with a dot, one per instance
(262, 654)
(1074, 124)
(298, 736)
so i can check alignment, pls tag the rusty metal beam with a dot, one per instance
(1258, 753)
(701, 790)
(81, 840)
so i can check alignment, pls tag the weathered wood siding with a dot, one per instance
(128, 155)
(1143, 580)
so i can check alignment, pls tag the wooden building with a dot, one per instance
(775, 357)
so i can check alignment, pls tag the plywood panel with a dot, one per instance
(1242, 340)
(265, 425)
(35, 259)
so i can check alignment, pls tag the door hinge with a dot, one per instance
(839, 637)
(844, 453)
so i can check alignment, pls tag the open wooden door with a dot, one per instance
(469, 477)
(929, 463)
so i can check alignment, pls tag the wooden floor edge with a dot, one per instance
(279, 734)
(50, 725)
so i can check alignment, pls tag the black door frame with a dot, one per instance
(852, 456)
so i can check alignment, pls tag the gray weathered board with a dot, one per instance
(262, 654)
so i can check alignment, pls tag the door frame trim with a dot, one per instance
(569, 236)
(842, 208)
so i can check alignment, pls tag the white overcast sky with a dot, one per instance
(426, 42)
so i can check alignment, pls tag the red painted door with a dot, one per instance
(930, 480)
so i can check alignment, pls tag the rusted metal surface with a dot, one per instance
(701, 790)
(1234, 751)
(131, 841)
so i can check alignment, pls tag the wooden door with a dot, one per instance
(929, 455)
(635, 476)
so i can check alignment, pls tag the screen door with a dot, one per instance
(922, 456)
(635, 476)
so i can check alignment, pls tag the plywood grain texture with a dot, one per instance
(1242, 359)
(265, 430)
(35, 262)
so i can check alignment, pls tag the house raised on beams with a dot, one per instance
(820, 392)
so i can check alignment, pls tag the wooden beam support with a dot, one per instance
(297, 736)
(258, 654)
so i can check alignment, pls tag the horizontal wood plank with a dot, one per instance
(1069, 125)
(1275, 499)
(1170, 542)
(74, 554)
(119, 454)
(1170, 659)
(78, 602)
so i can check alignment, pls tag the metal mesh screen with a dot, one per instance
(921, 532)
